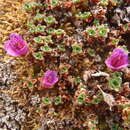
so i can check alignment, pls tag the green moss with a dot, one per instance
(76, 49)
(30, 84)
(117, 75)
(40, 28)
(102, 31)
(47, 101)
(61, 47)
(63, 69)
(76, 1)
(50, 20)
(81, 98)
(48, 39)
(97, 98)
(77, 79)
(54, 3)
(51, 31)
(91, 52)
(38, 40)
(38, 16)
(46, 48)
(104, 2)
(125, 27)
(115, 41)
(91, 32)
(29, 6)
(38, 56)
(83, 15)
(58, 100)
(115, 83)
(59, 31)
(96, 22)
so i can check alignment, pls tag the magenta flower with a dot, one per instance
(118, 59)
(49, 79)
(16, 46)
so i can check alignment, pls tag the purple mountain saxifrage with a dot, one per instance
(16, 46)
(49, 79)
(118, 60)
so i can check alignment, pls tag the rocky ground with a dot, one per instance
(22, 101)
(11, 116)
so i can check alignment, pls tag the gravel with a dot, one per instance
(11, 116)
(35, 100)
(7, 77)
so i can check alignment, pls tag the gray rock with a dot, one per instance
(35, 100)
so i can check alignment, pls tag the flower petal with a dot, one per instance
(16, 46)
(9, 49)
(118, 59)
(16, 37)
(50, 78)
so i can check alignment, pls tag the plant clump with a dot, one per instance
(76, 61)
